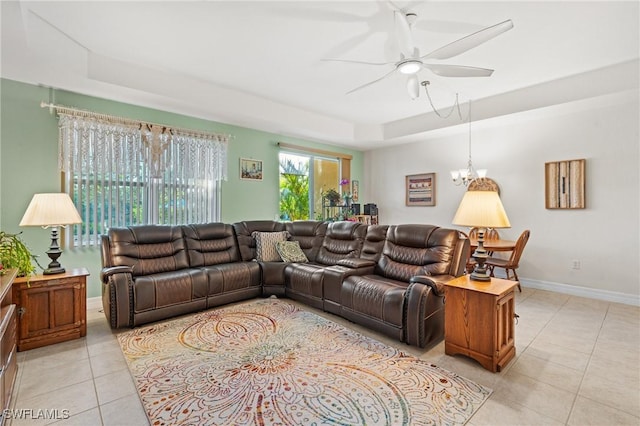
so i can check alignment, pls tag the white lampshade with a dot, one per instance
(482, 209)
(55, 209)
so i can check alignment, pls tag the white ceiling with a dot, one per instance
(258, 64)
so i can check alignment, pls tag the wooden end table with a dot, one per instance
(51, 308)
(479, 320)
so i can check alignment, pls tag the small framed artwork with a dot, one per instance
(421, 189)
(250, 169)
(564, 184)
(355, 190)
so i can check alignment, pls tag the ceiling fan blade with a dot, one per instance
(356, 62)
(469, 42)
(446, 27)
(413, 86)
(371, 82)
(446, 70)
(403, 33)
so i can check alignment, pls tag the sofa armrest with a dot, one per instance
(355, 262)
(437, 286)
(117, 296)
(107, 272)
(424, 304)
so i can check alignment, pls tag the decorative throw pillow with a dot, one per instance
(266, 245)
(290, 251)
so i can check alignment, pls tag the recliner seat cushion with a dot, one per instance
(304, 278)
(169, 288)
(232, 277)
(375, 296)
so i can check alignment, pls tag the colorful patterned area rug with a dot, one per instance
(270, 363)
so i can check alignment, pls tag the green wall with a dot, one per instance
(29, 160)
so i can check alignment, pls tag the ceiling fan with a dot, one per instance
(411, 62)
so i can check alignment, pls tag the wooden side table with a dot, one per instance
(51, 308)
(479, 320)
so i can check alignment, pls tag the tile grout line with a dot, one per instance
(584, 373)
(95, 387)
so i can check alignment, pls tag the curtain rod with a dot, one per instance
(127, 121)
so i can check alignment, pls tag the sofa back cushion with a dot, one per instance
(246, 243)
(374, 242)
(309, 233)
(148, 249)
(342, 240)
(211, 244)
(417, 250)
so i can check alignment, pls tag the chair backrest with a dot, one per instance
(489, 234)
(342, 240)
(419, 249)
(514, 260)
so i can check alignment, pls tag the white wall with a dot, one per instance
(604, 237)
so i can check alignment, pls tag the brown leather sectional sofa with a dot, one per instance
(386, 277)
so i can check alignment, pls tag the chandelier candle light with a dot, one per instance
(51, 210)
(465, 176)
(481, 209)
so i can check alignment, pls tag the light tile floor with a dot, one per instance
(577, 363)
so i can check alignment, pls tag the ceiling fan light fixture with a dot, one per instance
(410, 67)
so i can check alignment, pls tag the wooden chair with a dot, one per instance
(471, 263)
(489, 234)
(511, 264)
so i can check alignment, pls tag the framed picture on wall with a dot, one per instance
(355, 190)
(250, 169)
(421, 189)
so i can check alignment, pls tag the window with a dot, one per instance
(121, 173)
(304, 176)
(294, 187)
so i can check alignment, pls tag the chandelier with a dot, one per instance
(465, 176)
(462, 176)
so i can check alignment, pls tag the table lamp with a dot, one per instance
(481, 209)
(51, 210)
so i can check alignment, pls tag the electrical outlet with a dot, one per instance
(577, 264)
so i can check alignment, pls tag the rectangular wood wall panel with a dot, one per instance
(565, 184)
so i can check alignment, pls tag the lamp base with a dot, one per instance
(480, 255)
(54, 253)
(54, 271)
(480, 276)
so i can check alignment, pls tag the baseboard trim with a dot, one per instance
(591, 293)
(94, 302)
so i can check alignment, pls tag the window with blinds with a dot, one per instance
(121, 173)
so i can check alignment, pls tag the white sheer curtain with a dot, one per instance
(119, 173)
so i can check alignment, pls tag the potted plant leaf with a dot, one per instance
(332, 196)
(14, 253)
